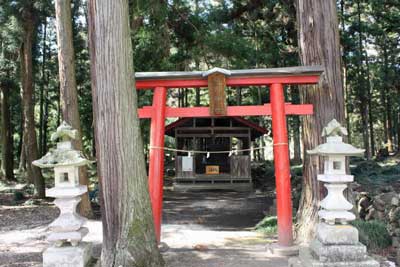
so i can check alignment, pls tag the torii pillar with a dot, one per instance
(282, 171)
(156, 166)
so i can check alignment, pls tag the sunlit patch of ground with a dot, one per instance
(201, 229)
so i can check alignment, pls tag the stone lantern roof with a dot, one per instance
(64, 154)
(334, 145)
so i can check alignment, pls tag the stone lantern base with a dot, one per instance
(334, 246)
(68, 256)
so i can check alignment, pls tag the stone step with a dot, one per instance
(77, 256)
(306, 260)
(336, 253)
(337, 234)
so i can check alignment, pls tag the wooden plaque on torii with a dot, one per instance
(216, 91)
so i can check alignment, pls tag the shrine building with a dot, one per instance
(213, 153)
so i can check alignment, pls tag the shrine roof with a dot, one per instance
(266, 72)
(220, 122)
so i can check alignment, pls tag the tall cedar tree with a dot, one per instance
(28, 19)
(68, 90)
(128, 229)
(318, 38)
(7, 138)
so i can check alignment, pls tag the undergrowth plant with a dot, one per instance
(373, 234)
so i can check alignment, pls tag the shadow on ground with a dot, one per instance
(213, 228)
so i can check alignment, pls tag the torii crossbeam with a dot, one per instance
(274, 78)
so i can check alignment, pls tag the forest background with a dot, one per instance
(183, 35)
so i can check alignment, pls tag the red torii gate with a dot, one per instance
(275, 78)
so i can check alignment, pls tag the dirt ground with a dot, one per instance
(213, 229)
(199, 229)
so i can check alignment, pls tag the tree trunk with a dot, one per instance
(128, 228)
(238, 96)
(22, 157)
(186, 97)
(295, 98)
(7, 134)
(318, 29)
(46, 109)
(1, 137)
(361, 87)
(42, 88)
(398, 129)
(386, 99)
(370, 115)
(45, 117)
(68, 90)
(344, 74)
(30, 142)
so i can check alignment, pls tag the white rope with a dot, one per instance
(190, 152)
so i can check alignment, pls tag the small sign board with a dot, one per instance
(212, 169)
(216, 91)
(187, 164)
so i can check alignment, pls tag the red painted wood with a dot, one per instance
(236, 111)
(156, 167)
(248, 81)
(188, 83)
(232, 81)
(278, 109)
(282, 166)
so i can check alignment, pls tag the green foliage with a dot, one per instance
(373, 172)
(18, 196)
(297, 170)
(373, 234)
(367, 167)
(268, 225)
(370, 41)
(201, 34)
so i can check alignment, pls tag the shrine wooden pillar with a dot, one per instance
(282, 166)
(156, 166)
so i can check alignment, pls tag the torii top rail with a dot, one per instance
(275, 78)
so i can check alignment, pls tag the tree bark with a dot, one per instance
(21, 146)
(364, 112)
(46, 109)
(7, 134)
(370, 115)
(128, 229)
(42, 88)
(68, 90)
(238, 96)
(318, 36)
(387, 118)
(295, 98)
(30, 142)
(344, 73)
(398, 128)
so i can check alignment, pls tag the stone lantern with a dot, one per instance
(67, 230)
(335, 206)
(336, 242)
